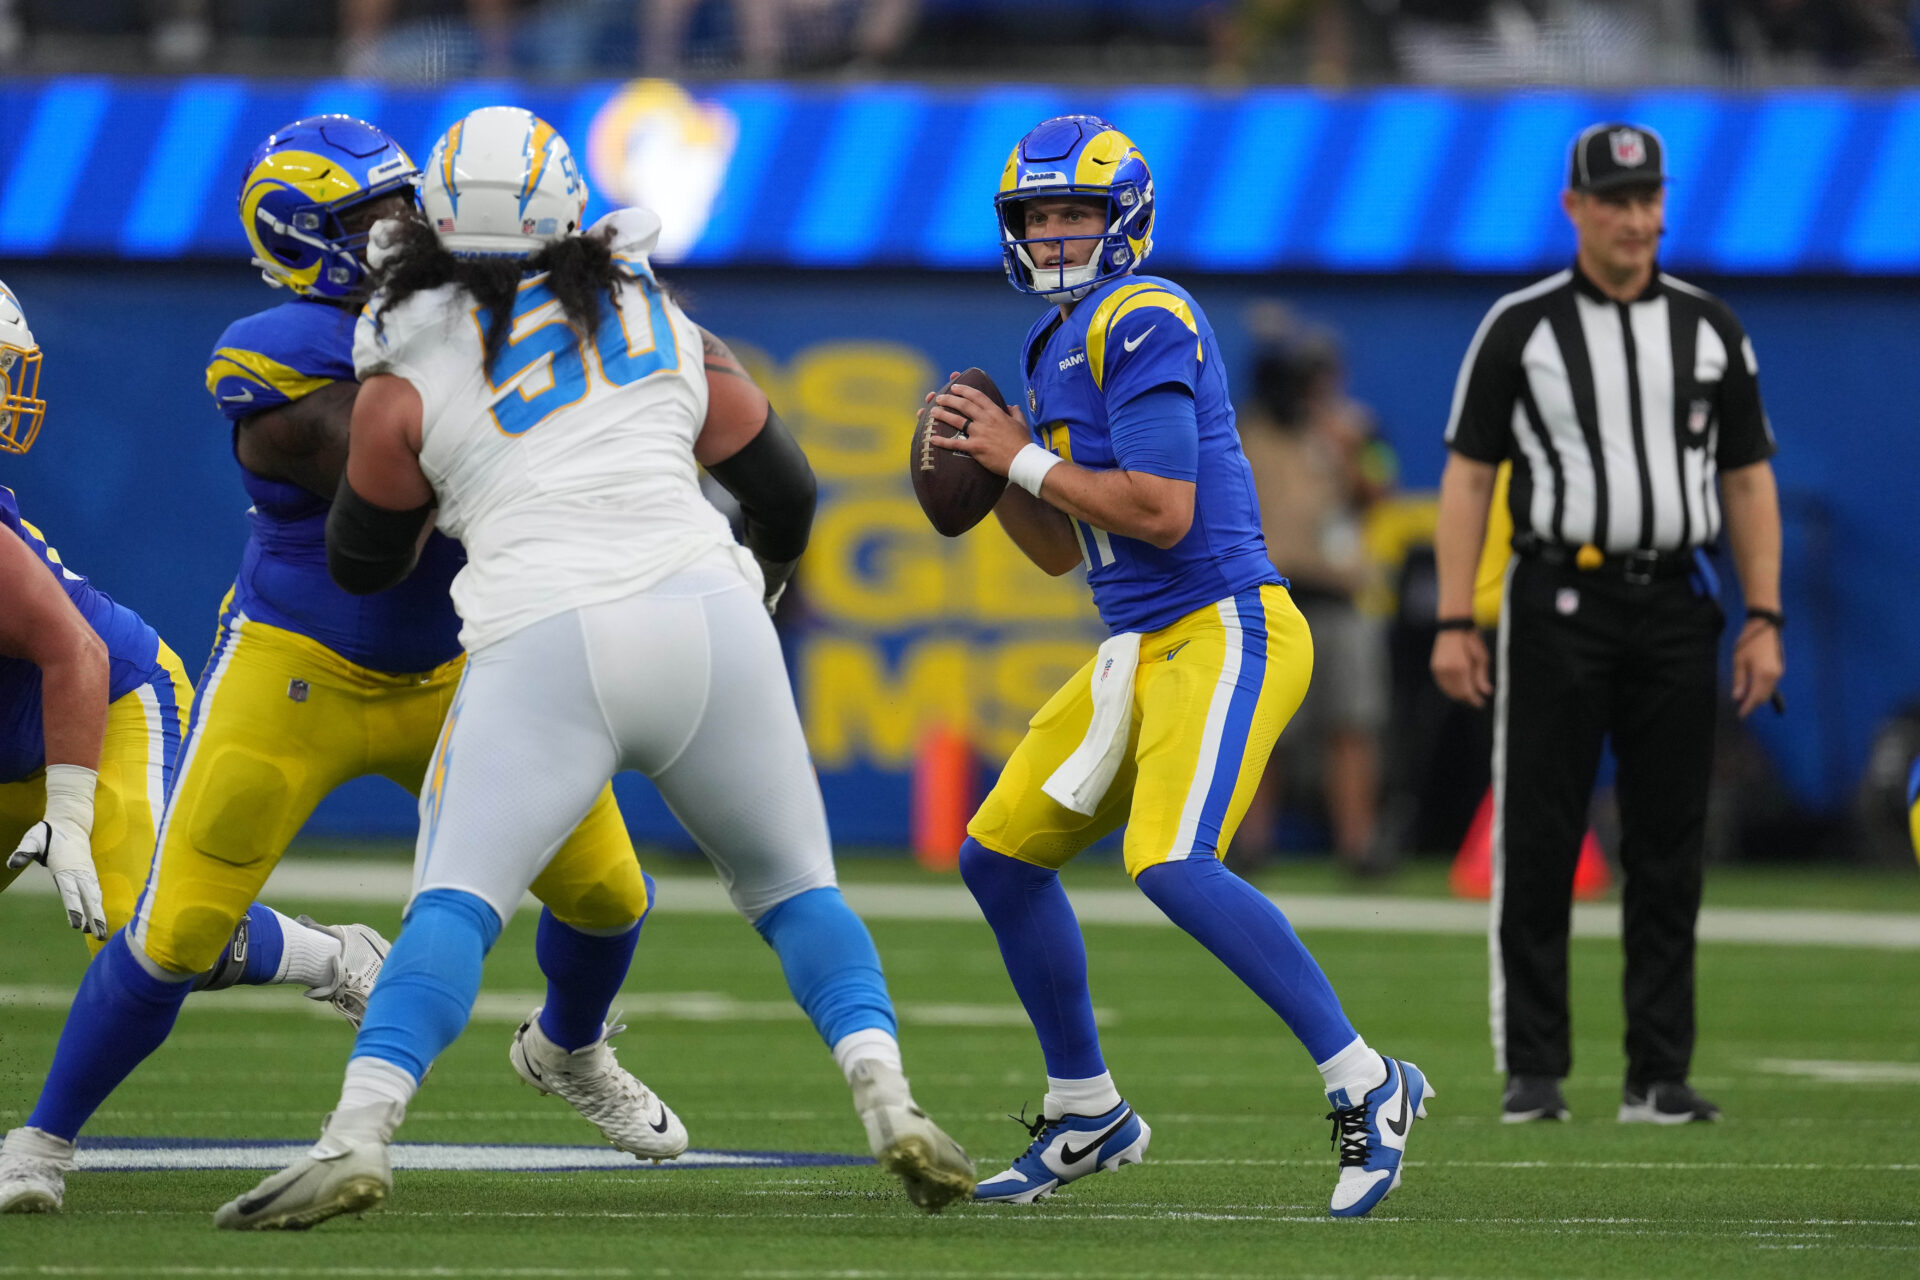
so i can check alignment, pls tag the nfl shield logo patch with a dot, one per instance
(1033, 401)
(1629, 148)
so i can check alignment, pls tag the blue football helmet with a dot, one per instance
(300, 182)
(1081, 156)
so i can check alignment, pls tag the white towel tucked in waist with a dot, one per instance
(1081, 782)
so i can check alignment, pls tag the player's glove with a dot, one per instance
(62, 842)
(776, 573)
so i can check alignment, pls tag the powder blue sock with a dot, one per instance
(120, 1015)
(429, 981)
(584, 973)
(1044, 953)
(830, 962)
(1236, 922)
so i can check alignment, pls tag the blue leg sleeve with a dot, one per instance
(265, 945)
(584, 973)
(1044, 952)
(1236, 922)
(428, 985)
(120, 1015)
(831, 965)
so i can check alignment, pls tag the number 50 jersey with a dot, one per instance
(567, 468)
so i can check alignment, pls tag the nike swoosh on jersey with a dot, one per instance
(1069, 1156)
(1130, 343)
(240, 397)
(1399, 1125)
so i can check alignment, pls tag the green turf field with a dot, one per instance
(1806, 1176)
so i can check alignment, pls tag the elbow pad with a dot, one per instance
(371, 548)
(773, 483)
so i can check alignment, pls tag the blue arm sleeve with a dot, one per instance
(1158, 432)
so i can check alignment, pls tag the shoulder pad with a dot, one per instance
(1121, 326)
(279, 356)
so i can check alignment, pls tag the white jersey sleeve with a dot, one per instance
(401, 341)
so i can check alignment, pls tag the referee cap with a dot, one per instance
(1615, 154)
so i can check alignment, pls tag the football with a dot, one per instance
(955, 491)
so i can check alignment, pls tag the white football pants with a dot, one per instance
(683, 682)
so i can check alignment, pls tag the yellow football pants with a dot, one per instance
(281, 721)
(136, 775)
(1210, 697)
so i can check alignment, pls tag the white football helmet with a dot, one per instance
(22, 410)
(502, 182)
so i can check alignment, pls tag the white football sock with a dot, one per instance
(307, 956)
(372, 1081)
(1090, 1097)
(872, 1044)
(1356, 1069)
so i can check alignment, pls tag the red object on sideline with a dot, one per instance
(942, 797)
(1472, 874)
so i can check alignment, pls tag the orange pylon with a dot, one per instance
(1472, 874)
(942, 797)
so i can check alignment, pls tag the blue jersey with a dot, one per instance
(272, 359)
(133, 651)
(1129, 337)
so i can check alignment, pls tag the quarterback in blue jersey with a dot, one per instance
(308, 686)
(1134, 470)
(90, 698)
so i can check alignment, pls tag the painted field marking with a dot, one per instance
(511, 1007)
(134, 1155)
(1830, 1071)
(354, 881)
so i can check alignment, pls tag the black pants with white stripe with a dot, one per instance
(1583, 656)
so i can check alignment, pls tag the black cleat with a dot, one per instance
(1666, 1102)
(1532, 1098)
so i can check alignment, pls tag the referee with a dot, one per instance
(1620, 396)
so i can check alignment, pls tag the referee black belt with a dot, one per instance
(1636, 567)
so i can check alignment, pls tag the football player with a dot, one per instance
(1134, 469)
(90, 698)
(538, 388)
(308, 686)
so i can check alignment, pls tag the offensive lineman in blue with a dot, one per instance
(308, 686)
(1135, 471)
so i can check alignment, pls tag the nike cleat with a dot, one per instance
(362, 952)
(347, 1171)
(906, 1142)
(628, 1114)
(1668, 1102)
(1371, 1136)
(33, 1171)
(1067, 1148)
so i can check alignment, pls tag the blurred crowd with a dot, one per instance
(1329, 42)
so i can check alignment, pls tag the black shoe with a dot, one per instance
(1532, 1098)
(1668, 1102)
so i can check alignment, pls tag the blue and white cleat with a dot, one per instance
(1068, 1148)
(1371, 1137)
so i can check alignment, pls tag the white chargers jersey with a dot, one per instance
(568, 469)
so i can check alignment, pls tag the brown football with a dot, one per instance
(955, 491)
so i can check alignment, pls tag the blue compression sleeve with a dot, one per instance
(265, 945)
(584, 973)
(1157, 432)
(830, 962)
(1236, 922)
(120, 1015)
(429, 982)
(1045, 955)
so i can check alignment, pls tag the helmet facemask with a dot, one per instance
(22, 410)
(1115, 253)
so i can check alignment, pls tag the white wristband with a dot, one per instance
(1030, 467)
(70, 794)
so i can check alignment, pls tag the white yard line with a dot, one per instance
(511, 1007)
(350, 881)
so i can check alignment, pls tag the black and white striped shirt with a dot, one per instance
(1617, 415)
